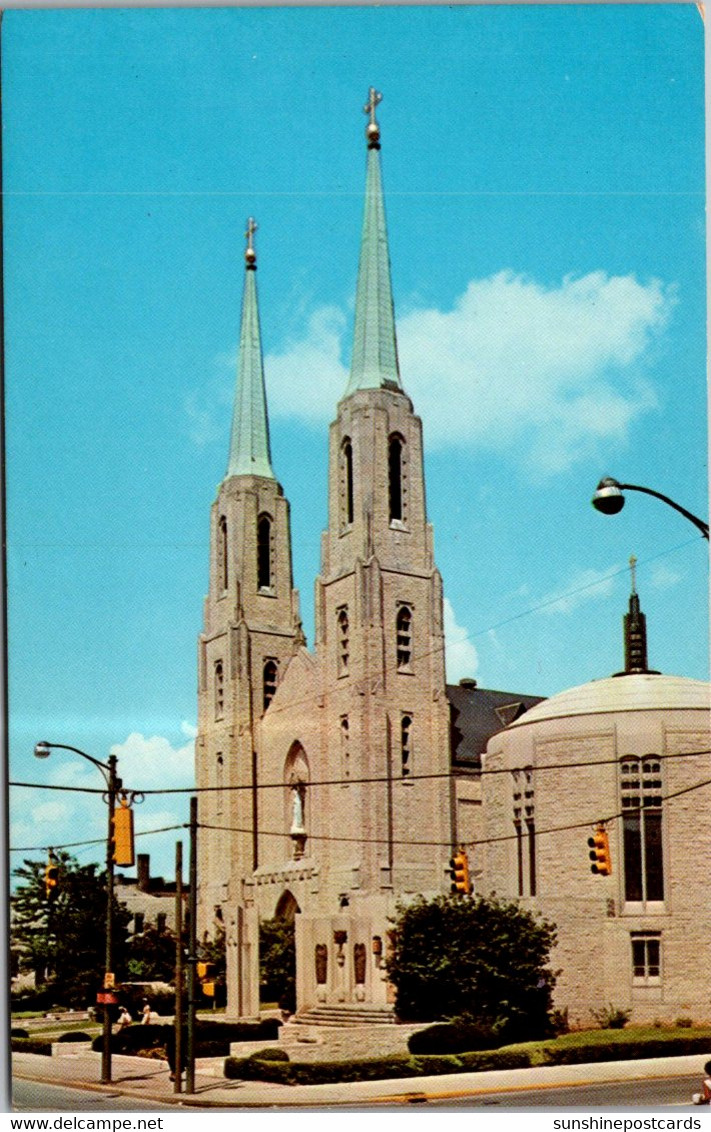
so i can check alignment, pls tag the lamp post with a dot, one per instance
(113, 785)
(609, 499)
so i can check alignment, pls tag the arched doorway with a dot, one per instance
(277, 956)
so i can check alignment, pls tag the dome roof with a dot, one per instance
(634, 692)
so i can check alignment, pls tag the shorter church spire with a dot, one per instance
(375, 363)
(635, 630)
(249, 444)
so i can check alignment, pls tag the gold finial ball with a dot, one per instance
(250, 256)
(372, 132)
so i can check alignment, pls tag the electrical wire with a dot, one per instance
(374, 779)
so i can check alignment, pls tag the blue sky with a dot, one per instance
(544, 179)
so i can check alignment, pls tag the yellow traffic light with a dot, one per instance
(459, 872)
(600, 852)
(51, 877)
(123, 833)
(204, 971)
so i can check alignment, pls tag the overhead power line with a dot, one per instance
(375, 779)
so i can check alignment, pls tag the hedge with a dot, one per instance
(31, 1045)
(452, 1037)
(213, 1039)
(630, 1049)
(18, 1032)
(74, 1036)
(255, 1068)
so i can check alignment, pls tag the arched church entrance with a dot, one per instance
(277, 956)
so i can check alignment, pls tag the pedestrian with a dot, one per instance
(124, 1018)
(145, 1012)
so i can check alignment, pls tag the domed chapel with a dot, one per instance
(336, 782)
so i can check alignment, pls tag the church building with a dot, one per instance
(338, 781)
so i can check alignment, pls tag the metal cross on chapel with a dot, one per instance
(374, 97)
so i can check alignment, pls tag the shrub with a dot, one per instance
(271, 1055)
(559, 1021)
(452, 1037)
(611, 1017)
(255, 1068)
(483, 957)
(628, 1050)
(31, 1045)
(684, 1023)
(18, 1032)
(212, 1038)
(74, 1036)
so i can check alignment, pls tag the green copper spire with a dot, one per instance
(374, 363)
(249, 443)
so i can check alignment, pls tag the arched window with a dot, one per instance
(343, 641)
(641, 797)
(406, 744)
(269, 681)
(345, 749)
(396, 478)
(219, 690)
(403, 629)
(222, 567)
(264, 552)
(346, 484)
(219, 783)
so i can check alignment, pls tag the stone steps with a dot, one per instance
(346, 1015)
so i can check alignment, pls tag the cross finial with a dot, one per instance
(633, 563)
(372, 131)
(250, 255)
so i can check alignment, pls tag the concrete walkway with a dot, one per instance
(145, 1079)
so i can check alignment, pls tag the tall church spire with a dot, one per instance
(249, 444)
(374, 364)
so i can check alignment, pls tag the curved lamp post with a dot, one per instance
(609, 499)
(113, 785)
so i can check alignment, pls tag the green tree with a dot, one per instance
(150, 955)
(481, 959)
(63, 937)
(277, 963)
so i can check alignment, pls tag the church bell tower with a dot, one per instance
(251, 628)
(379, 625)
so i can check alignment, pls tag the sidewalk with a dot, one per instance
(144, 1079)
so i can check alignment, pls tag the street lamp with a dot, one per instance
(113, 785)
(609, 499)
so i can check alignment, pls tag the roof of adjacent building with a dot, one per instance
(627, 692)
(477, 714)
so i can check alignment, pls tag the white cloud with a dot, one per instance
(547, 371)
(460, 656)
(585, 585)
(307, 378)
(152, 763)
(663, 577)
(188, 729)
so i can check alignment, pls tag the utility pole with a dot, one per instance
(111, 800)
(178, 967)
(192, 950)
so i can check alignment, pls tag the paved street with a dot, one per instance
(138, 1082)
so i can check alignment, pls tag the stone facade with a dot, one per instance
(645, 948)
(337, 782)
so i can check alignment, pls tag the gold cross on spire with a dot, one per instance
(372, 131)
(633, 563)
(250, 255)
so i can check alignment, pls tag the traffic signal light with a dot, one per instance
(459, 872)
(600, 852)
(123, 833)
(51, 877)
(206, 975)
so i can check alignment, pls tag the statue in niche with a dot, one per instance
(359, 954)
(321, 961)
(298, 830)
